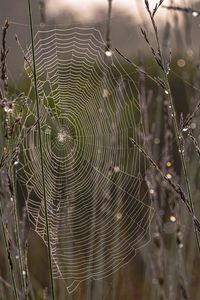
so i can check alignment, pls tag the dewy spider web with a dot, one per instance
(98, 208)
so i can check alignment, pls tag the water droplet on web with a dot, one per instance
(118, 216)
(116, 169)
(181, 151)
(180, 245)
(105, 93)
(157, 141)
(172, 218)
(169, 176)
(185, 129)
(168, 164)
(16, 162)
(168, 71)
(195, 14)
(151, 191)
(166, 92)
(108, 53)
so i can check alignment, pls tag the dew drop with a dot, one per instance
(116, 169)
(181, 151)
(16, 162)
(195, 13)
(166, 92)
(180, 245)
(118, 216)
(108, 53)
(105, 93)
(168, 71)
(151, 192)
(168, 164)
(157, 141)
(169, 176)
(172, 218)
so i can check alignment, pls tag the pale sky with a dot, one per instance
(85, 9)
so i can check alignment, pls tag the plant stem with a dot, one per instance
(174, 120)
(176, 129)
(41, 154)
(16, 224)
(7, 249)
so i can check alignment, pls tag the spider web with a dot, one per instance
(98, 208)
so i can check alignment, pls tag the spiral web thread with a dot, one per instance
(98, 208)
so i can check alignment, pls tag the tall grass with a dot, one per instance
(41, 153)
